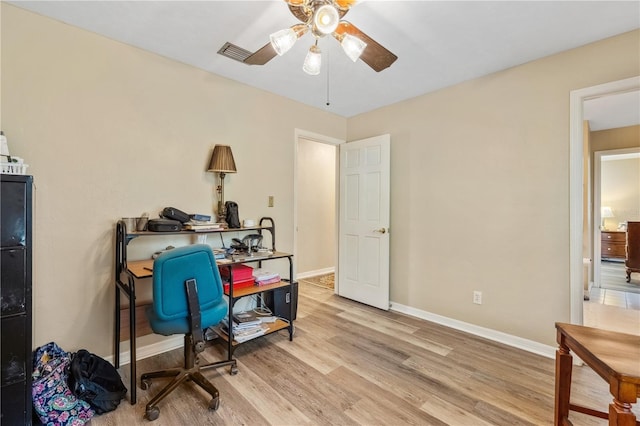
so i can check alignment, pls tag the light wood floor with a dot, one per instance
(350, 364)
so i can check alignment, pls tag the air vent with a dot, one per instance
(234, 52)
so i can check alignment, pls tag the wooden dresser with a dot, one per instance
(613, 244)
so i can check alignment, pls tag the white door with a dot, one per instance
(363, 263)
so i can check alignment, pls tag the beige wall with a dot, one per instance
(480, 197)
(620, 138)
(620, 190)
(316, 243)
(481, 170)
(609, 140)
(112, 131)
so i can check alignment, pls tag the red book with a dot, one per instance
(239, 284)
(238, 272)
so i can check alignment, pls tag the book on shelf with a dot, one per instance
(197, 217)
(201, 226)
(242, 334)
(238, 283)
(239, 272)
(269, 281)
(264, 276)
(248, 317)
(261, 274)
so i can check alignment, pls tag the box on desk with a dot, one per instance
(238, 284)
(238, 272)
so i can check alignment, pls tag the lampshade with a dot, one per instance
(607, 212)
(352, 46)
(325, 19)
(222, 160)
(313, 61)
(284, 40)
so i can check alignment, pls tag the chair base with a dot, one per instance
(190, 372)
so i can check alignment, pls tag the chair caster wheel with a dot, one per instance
(234, 370)
(145, 384)
(214, 403)
(152, 413)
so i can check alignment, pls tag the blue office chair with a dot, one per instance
(187, 298)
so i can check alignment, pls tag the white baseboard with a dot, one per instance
(309, 274)
(487, 333)
(149, 350)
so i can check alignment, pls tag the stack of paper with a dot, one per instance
(244, 331)
(263, 277)
(196, 226)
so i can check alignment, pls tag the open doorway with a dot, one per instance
(316, 204)
(584, 159)
(581, 206)
(616, 190)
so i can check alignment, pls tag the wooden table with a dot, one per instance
(614, 356)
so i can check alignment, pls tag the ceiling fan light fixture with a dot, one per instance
(313, 61)
(283, 40)
(353, 46)
(325, 19)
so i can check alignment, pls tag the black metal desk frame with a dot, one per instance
(125, 283)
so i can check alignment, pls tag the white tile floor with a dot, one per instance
(613, 310)
(620, 299)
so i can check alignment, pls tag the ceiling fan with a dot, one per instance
(320, 18)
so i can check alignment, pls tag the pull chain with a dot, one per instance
(328, 102)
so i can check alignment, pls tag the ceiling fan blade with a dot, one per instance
(261, 56)
(374, 55)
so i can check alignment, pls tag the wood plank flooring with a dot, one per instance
(350, 364)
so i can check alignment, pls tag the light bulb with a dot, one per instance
(353, 46)
(313, 61)
(325, 19)
(283, 40)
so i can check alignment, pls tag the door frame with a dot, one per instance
(597, 201)
(576, 157)
(316, 137)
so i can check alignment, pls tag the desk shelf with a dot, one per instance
(126, 274)
(272, 328)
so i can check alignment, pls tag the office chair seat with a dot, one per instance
(181, 325)
(187, 299)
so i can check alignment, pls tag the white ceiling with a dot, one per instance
(613, 111)
(438, 43)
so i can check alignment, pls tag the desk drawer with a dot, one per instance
(614, 237)
(613, 250)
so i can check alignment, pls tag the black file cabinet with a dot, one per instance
(15, 299)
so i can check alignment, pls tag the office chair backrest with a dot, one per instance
(170, 272)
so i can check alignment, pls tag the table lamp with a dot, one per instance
(606, 212)
(222, 163)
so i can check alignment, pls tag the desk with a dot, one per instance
(126, 274)
(614, 356)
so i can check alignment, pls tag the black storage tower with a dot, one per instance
(15, 295)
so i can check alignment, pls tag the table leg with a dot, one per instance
(563, 385)
(620, 414)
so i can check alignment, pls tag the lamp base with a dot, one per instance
(222, 217)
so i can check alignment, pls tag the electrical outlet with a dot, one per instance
(270, 200)
(477, 297)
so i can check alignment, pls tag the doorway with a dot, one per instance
(616, 195)
(315, 207)
(576, 179)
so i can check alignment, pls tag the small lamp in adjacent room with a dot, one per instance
(605, 212)
(222, 163)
